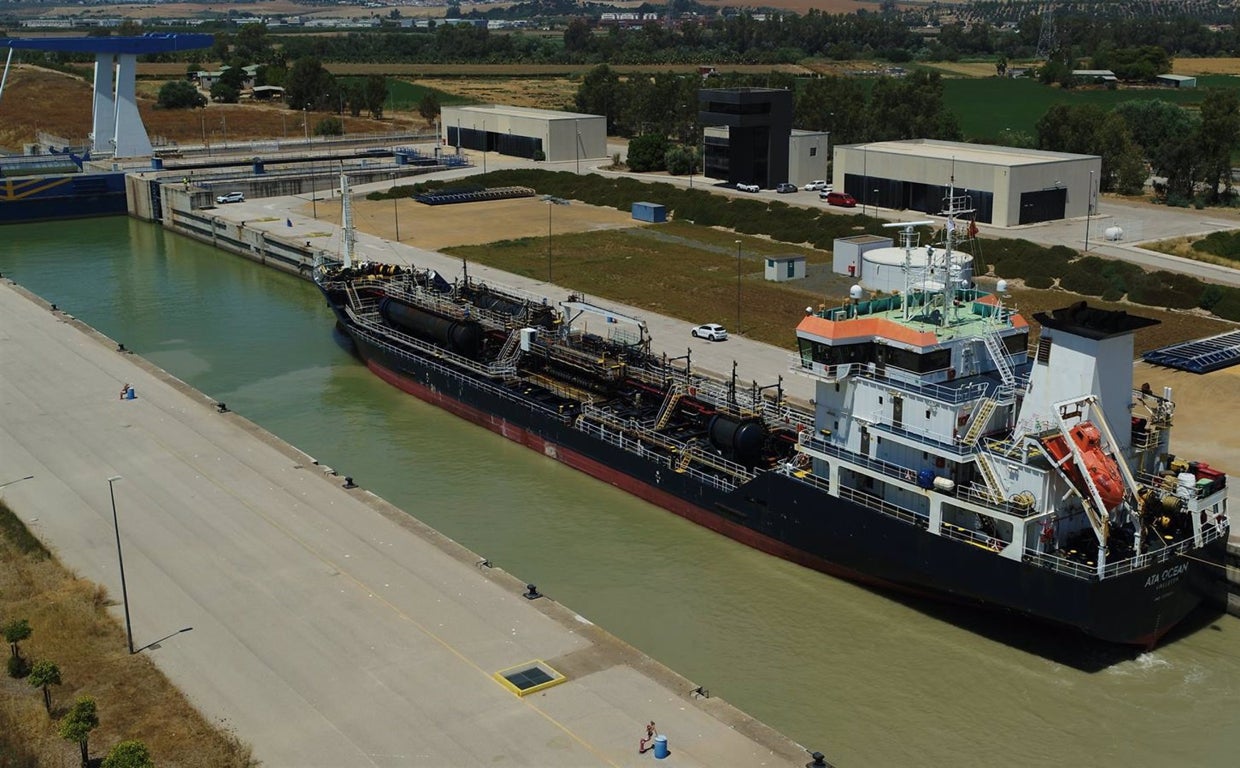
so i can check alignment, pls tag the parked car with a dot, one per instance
(742, 186)
(786, 187)
(817, 185)
(842, 199)
(711, 331)
(231, 197)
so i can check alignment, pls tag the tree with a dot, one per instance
(1170, 139)
(16, 631)
(329, 126)
(45, 673)
(375, 94)
(82, 718)
(1220, 131)
(308, 85)
(225, 93)
(180, 94)
(428, 107)
(252, 45)
(648, 153)
(128, 754)
(600, 94)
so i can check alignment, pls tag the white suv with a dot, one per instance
(712, 331)
(817, 185)
(747, 187)
(231, 197)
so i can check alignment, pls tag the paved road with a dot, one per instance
(328, 629)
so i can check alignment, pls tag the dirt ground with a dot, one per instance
(1207, 416)
(441, 226)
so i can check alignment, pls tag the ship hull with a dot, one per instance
(792, 519)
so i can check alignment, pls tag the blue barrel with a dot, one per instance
(925, 478)
(157, 163)
(129, 394)
(660, 747)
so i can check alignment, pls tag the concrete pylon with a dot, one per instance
(103, 124)
(129, 137)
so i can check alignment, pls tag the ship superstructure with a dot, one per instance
(938, 455)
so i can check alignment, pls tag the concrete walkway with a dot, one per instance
(328, 628)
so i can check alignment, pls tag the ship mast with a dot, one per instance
(346, 221)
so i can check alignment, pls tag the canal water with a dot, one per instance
(866, 678)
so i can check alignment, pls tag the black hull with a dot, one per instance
(795, 520)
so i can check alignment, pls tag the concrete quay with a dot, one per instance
(328, 627)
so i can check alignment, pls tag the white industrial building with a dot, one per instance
(525, 132)
(1006, 186)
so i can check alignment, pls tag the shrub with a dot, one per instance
(18, 667)
(648, 153)
(1040, 281)
(1228, 305)
(329, 126)
(1166, 289)
(180, 94)
(128, 754)
(679, 160)
(1211, 296)
(539, 156)
(225, 93)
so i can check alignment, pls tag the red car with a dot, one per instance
(842, 199)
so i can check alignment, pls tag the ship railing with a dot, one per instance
(878, 465)
(1127, 565)
(379, 335)
(941, 393)
(1171, 484)
(622, 439)
(976, 538)
(1060, 565)
(924, 436)
(882, 505)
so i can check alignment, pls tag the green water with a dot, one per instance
(865, 678)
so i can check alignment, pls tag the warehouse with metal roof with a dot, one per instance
(535, 134)
(1007, 186)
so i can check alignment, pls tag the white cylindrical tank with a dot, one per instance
(882, 269)
(1113, 233)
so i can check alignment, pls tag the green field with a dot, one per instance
(986, 107)
(405, 96)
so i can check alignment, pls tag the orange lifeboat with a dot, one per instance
(1102, 468)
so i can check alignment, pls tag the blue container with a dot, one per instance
(660, 747)
(651, 212)
(258, 167)
(157, 163)
(925, 478)
(129, 394)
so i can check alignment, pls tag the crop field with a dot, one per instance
(986, 107)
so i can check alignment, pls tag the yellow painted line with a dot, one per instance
(372, 592)
(24, 190)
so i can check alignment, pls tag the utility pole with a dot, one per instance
(738, 286)
(120, 558)
(1089, 207)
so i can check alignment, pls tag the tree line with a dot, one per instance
(742, 38)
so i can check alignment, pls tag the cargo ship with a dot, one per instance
(940, 455)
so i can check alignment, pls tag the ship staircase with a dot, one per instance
(1007, 388)
(981, 417)
(668, 408)
(505, 364)
(991, 487)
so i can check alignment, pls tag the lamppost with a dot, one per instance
(875, 204)
(224, 129)
(1089, 207)
(120, 558)
(738, 286)
(577, 147)
(395, 210)
(549, 206)
(202, 120)
(305, 121)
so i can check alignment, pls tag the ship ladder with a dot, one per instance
(509, 349)
(993, 486)
(354, 300)
(994, 345)
(686, 456)
(674, 393)
(981, 417)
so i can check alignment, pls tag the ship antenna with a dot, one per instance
(346, 221)
(908, 238)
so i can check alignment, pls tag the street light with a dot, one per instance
(395, 209)
(549, 206)
(224, 129)
(738, 286)
(305, 121)
(1089, 207)
(121, 560)
(577, 147)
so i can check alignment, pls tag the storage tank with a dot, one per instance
(461, 336)
(882, 269)
(743, 438)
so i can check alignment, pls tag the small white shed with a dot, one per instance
(781, 269)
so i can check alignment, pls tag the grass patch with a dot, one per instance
(987, 106)
(72, 628)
